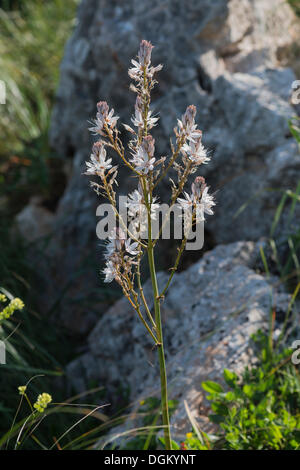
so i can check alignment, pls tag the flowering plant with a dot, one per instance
(127, 246)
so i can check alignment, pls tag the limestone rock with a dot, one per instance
(222, 56)
(34, 221)
(209, 314)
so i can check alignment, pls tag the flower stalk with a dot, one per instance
(123, 255)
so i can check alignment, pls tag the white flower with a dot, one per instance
(134, 203)
(97, 127)
(186, 203)
(111, 120)
(191, 132)
(138, 120)
(142, 162)
(110, 271)
(187, 126)
(131, 247)
(103, 116)
(143, 65)
(202, 203)
(129, 129)
(151, 121)
(136, 72)
(143, 159)
(196, 152)
(207, 202)
(137, 208)
(117, 243)
(98, 163)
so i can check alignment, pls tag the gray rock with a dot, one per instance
(209, 314)
(223, 57)
(252, 196)
(34, 222)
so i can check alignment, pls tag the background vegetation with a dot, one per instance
(264, 402)
(33, 35)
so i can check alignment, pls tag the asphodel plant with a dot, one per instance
(133, 238)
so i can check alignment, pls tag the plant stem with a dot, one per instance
(161, 354)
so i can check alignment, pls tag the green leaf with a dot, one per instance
(217, 419)
(220, 409)
(212, 387)
(230, 377)
(175, 446)
(230, 396)
(248, 391)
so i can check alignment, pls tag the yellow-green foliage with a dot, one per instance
(42, 402)
(14, 304)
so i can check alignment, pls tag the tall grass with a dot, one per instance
(32, 39)
(31, 48)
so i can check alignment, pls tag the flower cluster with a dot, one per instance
(98, 163)
(136, 205)
(104, 119)
(142, 204)
(137, 211)
(104, 126)
(22, 389)
(195, 151)
(118, 261)
(187, 128)
(198, 202)
(139, 117)
(42, 402)
(142, 70)
(142, 145)
(14, 304)
(143, 159)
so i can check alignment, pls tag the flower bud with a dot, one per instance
(102, 108)
(144, 53)
(188, 118)
(198, 187)
(148, 145)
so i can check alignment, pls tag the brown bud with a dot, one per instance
(198, 186)
(97, 148)
(139, 104)
(102, 108)
(189, 116)
(144, 54)
(148, 145)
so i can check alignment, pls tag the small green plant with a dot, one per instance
(258, 411)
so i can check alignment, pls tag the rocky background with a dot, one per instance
(226, 57)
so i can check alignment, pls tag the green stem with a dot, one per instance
(150, 250)
(161, 354)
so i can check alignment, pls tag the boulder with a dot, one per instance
(209, 314)
(34, 222)
(223, 56)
